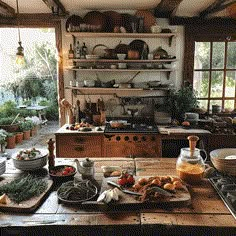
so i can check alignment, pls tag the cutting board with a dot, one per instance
(181, 197)
(28, 205)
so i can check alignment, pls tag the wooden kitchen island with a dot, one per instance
(206, 215)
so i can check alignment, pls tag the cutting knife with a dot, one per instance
(161, 191)
(122, 189)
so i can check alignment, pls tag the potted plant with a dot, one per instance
(181, 101)
(26, 126)
(10, 124)
(19, 137)
(11, 140)
(3, 142)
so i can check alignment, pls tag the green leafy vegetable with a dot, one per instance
(24, 188)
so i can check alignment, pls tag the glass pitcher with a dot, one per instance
(190, 165)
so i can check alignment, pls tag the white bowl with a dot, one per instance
(89, 83)
(121, 56)
(31, 164)
(224, 160)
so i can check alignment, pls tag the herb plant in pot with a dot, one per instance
(11, 140)
(181, 101)
(26, 126)
(3, 141)
(10, 124)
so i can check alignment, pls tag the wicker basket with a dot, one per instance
(220, 161)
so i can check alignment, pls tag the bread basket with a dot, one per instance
(224, 160)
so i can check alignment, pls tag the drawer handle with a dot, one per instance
(79, 149)
(79, 140)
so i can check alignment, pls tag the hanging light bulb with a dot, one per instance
(20, 60)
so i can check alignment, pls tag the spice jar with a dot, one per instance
(190, 164)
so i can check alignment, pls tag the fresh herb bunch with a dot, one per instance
(24, 188)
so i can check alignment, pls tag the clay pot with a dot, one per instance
(133, 54)
(26, 134)
(19, 137)
(11, 142)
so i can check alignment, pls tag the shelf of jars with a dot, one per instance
(122, 35)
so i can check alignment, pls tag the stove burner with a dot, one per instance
(226, 188)
(132, 128)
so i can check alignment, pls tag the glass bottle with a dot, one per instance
(71, 52)
(77, 51)
(84, 50)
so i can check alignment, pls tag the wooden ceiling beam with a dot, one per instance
(217, 6)
(166, 8)
(6, 10)
(56, 7)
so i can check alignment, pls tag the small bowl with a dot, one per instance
(56, 173)
(121, 56)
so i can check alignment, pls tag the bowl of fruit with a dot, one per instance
(62, 172)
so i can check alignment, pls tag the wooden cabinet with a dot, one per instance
(130, 145)
(77, 145)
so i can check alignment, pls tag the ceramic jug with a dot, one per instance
(85, 168)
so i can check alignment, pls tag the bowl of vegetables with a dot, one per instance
(62, 172)
(30, 159)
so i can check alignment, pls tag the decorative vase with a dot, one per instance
(19, 137)
(26, 134)
(11, 142)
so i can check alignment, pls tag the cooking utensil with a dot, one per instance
(137, 45)
(122, 189)
(161, 191)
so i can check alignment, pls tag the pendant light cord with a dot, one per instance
(17, 9)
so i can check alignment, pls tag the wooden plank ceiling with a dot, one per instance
(163, 8)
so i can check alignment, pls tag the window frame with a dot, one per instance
(207, 32)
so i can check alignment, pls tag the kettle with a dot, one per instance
(190, 165)
(85, 168)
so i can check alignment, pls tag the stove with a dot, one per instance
(226, 188)
(133, 128)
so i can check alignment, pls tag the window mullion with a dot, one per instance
(210, 75)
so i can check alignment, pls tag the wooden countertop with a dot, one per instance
(207, 213)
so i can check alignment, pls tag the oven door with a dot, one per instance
(130, 145)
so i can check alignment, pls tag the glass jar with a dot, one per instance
(190, 165)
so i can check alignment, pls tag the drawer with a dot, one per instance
(80, 150)
(78, 139)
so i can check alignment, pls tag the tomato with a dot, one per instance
(130, 180)
(69, 169)
(64, 172)
(122, 181)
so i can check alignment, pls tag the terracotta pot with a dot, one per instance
(19, 137)
(33, 131)
(11, 142)
(132, 54)
(26, 134)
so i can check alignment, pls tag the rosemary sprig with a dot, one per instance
(24, 188)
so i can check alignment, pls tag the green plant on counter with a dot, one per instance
(181, 101)
(26, 125)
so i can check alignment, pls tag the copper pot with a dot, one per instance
(133, 54)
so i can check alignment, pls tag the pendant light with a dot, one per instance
(20, 60)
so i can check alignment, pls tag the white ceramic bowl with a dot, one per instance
(121, 56)
(31, 164)
(224, 160)
(89, 83)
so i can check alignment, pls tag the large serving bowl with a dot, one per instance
(32, 163)
(224, 160)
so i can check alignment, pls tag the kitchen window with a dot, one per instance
(210, 66)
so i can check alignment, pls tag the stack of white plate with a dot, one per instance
(2, 165)
(92, 56)
(31, 164)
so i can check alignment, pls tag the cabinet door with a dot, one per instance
(78, 146)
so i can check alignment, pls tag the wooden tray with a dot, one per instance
(26, 206)
(180, 198)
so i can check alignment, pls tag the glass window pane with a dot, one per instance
(231, 55)
(203, 103)
(202, 55)
(229, 105)
(217, 84)
(201, 83)
(230, 84)
(218, 52)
